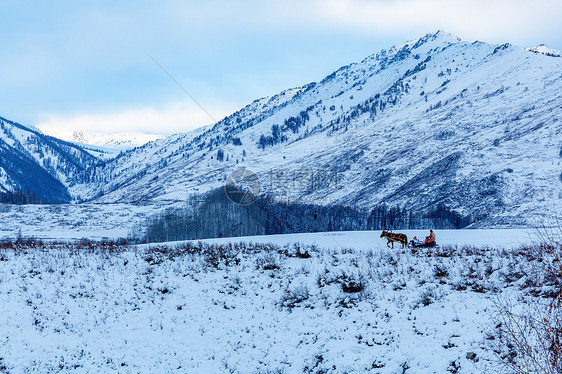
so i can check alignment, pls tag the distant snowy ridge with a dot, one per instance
(124, 140)
(113, 141)
(544, 50)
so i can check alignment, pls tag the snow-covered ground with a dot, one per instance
(72, 221)
(97, 221)
(261, 308)
(365, 240)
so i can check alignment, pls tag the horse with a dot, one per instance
(392, 237)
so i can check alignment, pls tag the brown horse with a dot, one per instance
(392, 237)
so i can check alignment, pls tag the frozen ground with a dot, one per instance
(72, 221)
(493, 238)
(258, 308)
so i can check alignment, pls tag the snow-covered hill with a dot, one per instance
(472, 126)
(38, 164)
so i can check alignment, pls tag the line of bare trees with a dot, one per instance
(215, 215)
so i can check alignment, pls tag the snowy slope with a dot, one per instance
(472, 126)
(36, 163)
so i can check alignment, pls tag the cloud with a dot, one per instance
(84, 65)
(517, 21)
(179, 117)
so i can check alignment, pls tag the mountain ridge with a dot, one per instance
(37, 164)
(437, 90)
(115, 142)
(434, 122)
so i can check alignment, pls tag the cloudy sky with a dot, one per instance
(90, 65)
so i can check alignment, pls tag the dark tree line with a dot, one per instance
(216, 216)
(19, 197)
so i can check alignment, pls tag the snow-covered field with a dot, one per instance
(353, 305)
(72, 221)
(493, 238)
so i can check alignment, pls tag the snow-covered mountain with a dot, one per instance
(37, 164)
(543, 49)
(435, 122)
(472, 126)
(116, 141)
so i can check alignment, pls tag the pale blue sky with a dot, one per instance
(85, 65)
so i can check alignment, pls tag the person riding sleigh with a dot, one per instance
(429, 241)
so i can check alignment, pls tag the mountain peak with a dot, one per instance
(446, 35)
(441, 35)
(544, 50)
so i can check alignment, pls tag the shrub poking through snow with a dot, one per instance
(440, 272)
(301, 252)
(325, 278)
(427, 297)
(268, 261)
(532, 333)
(352, 283)
(294, 296)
